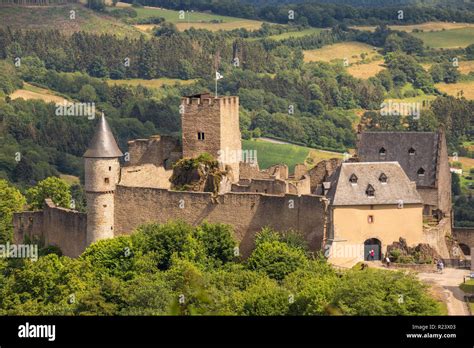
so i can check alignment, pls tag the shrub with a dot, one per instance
(276, 259)
(217, 240)
(168, 239)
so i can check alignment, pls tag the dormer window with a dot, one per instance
(382, 151)
(370, 191)
(411, 151)
(353, 179)
(421, 172)
(383, 178)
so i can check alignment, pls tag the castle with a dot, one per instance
(371, 203)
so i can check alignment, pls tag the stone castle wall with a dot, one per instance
(61, 227)
(443, 178)
(247, 212)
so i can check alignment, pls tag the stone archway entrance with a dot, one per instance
(372, 246)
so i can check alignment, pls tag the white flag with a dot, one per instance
(218, 76)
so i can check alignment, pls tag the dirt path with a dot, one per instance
(449, 281)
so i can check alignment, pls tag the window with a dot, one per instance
(382, 151)
(411, 151)
(370, 219)
(200, 135)
(110, 168)
(353, 179)
(106, 180)
(370, 191)
(421, 172)
(383, 178)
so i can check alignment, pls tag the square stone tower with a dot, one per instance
(211, 124)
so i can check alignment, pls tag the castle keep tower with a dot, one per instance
(211, 124)
(102, 171)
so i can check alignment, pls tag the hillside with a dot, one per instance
(68, 18)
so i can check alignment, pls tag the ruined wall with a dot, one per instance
(29, 225)
(429, 196)
(146, 175)
(443, 176)
(464, 235)
(247, 212)
(159, 150)
(436, 236)
(61, 227)
(300, 187)
(251, 171)
(320, 173)
(300, 171)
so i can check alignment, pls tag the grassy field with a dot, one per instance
(198, 20)
(467, 88)
(437, 34)
(428, 26)
(465, 67)
(58, 17)
(269, 153)
(70, 179)
(153, 83)
(296, 34)
(448, 38)
(32, 92)
(367, 70)
(468, 286)
(350, 50)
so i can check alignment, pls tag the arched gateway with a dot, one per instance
(372, 249)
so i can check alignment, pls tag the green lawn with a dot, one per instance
(447, 38)
(174, 16)
(295, 34)
(468, 286)
(269, 154)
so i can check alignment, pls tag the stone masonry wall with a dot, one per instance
(64, 228)
(247, 212)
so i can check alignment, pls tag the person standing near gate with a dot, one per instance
(372, 254)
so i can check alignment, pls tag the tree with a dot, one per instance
(97, 5)
(87, 94)
(54, 188)
(217, 240)
(276, 259)
(98, 68)
(455, 184)
(11, 200)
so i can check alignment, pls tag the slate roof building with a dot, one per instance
(424, 158)
(372, 204)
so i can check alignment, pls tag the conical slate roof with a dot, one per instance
(103, 142)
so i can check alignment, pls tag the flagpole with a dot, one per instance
(216, 86)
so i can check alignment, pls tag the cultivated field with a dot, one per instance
(454, 89)
(351, 50)
(58, 17)
(32, 92)
(198, 20)
(270, 153)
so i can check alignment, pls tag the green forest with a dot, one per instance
(177, 269)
